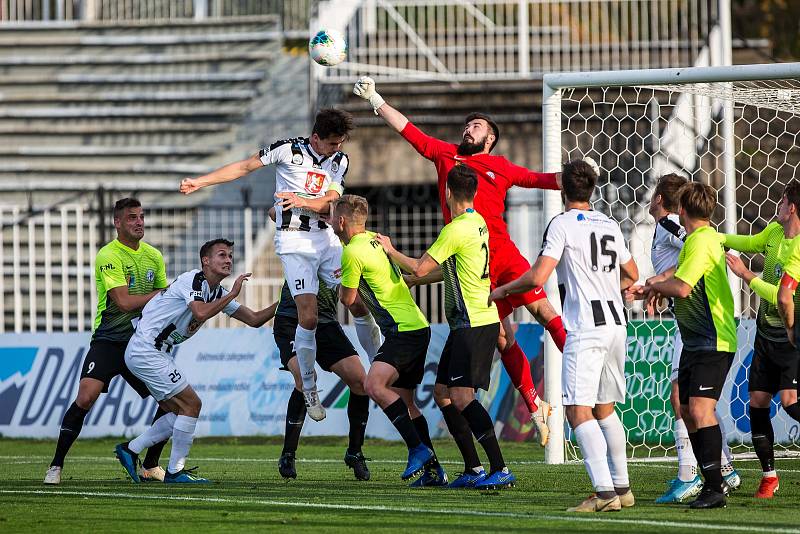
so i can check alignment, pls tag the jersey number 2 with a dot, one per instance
(485, 249)
(602, 244)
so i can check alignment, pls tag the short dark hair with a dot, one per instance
(462, 182)
(352, 207)
(333, 122)
(124, 203)
(578, 181)
(792, 194)
(668, 187)
(698, 200)
(205, 250)
(493, 125)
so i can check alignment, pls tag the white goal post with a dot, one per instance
(736, 128)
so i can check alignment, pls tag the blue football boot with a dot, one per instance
(733, 480)
(128, 460)
(467, 480)
(497, 480)
(418, 458)
(681, 492)
(431, 477)
(185, 476)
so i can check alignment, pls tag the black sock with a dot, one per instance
(763, 437)
(154, 452)
(793, 411)
(397, 412)
(459, 429)
(694, 440)
(71, 427)
(421, 425)
(295, 416)
(710, 439)
(482, 428)
(357, 414)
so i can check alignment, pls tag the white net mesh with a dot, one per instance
(640, 133)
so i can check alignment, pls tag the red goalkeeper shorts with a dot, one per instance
(506, 265)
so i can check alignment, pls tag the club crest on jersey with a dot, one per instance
(131, 280)
(314, 182)
(151, 275)
(778, 270)
(334, 167)
(297, 159)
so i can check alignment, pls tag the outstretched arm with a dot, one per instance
(365, 88)
(228, 173)
(255, 318)
(417, 266)
(535, 277)
(203, 311)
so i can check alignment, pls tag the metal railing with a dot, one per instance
(457, 40)
(294, 13)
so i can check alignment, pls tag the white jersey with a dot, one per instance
(167, 319)
(589, 248)
(667, 243)
(299, 169)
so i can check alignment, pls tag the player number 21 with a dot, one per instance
(602, 245)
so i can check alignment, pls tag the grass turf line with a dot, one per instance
(250, 495)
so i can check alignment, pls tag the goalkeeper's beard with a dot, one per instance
(469, 149)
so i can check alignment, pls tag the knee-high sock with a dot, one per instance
(357, 415)
(687, 463)
(616, 444)
(763, 437)
(519, 370)
(556, 329)
(369, 335)
(305, 345)
(182, 437)
(710, 439)
(397, 412)
(459, 429)
(295, 417)
(153, 455)
(482, 428)
(595, 450)
(159, 431)
(71, 426)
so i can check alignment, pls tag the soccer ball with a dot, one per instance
(327, 47)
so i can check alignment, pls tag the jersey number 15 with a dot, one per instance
(602, 245)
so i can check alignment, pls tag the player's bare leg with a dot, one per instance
(546, 315)
(89, 390)
(380, 378)
(305, 345)
(594, 449)
(352, 373)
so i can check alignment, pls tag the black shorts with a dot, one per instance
(702, 373)
(332, 344)
(105, 360)
(406, 352)
(774, 366)
(467, 356)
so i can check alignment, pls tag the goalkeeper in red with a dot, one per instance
(496, 175)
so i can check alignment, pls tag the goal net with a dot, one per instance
(734, 128)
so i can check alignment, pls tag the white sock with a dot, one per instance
(182, 437)
(594, 450)
(616, 446)
(687, 463)
(727, 455)
(369, 335)
(305, 345)
(158, 432)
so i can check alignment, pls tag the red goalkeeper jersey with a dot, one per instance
(496, 175)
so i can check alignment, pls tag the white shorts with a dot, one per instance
(593, 368)
(308, 257)
(156, 369)
(677, 348)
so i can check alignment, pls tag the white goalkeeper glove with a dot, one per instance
(365, 88)
(593, 164)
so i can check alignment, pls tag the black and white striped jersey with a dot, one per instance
(299, 169)
(167, 319)
(667, 243)
(589, 247)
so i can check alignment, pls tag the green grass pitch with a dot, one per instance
(248, 494)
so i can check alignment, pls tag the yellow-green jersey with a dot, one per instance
(789, 257)
(117, 265)
(367, 268)
(462, 249)
(705, 317)
(774, 246)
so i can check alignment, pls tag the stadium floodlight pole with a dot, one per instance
(551, 204)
